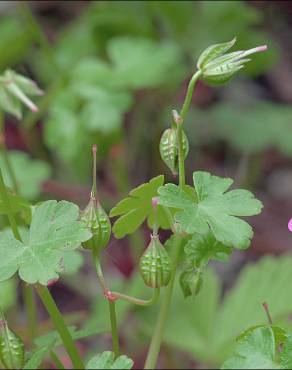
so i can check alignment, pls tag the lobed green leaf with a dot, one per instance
(106, 360)
(216, 209)
(136, 208)
(53, 232)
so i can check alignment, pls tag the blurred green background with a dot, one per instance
(112, 72)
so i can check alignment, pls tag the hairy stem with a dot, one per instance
(60, 325)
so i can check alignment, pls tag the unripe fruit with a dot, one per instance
(169, 148)
(11, 348)
(155, 264)
(97, 221)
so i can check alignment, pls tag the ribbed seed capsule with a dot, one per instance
(169, 148)
(11, 348)
(96, 219)
(155, 264)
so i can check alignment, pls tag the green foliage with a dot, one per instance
(7, 294)
(157, 61)
(16, 37)
(98, 93)
(30, 174)
(202, 248)
(71, 262)
(54, 231)
(215, 209)
(18, 205)
(248, 128)
(199, 250)
(136, 208)
(207, 325)
(11, 347)
(37, 356)
(176, 22)
(258, 350)
(106, 360)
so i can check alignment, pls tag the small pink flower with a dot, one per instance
(290, 225)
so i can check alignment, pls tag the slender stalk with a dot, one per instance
(56, 360)
(60, 325)
(7, 205)
(137, 301)
(111, 302)
(116, 295)
(9, 168)
(157, 337)
(189, 95)
(181, 159)
(114, 328)
(6, 158)
(156, 341)
(31, 311)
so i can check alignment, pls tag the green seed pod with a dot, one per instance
(11, 348)
(95, 218)
(169, 148)
(155, 264)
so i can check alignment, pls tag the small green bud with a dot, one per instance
(95, 218)
(218, 67)
(169, 148)
(11, 348)
(155, 264)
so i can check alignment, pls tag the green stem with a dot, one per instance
(9, 168)
(31, 311)
(6, 158)
(156, 341)
(60, 325)
(181, 158)
(114, 328)
(116, 295)
(56, 360)
(137, 301)
(189, 95)
(112, 305)
(8, 207)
